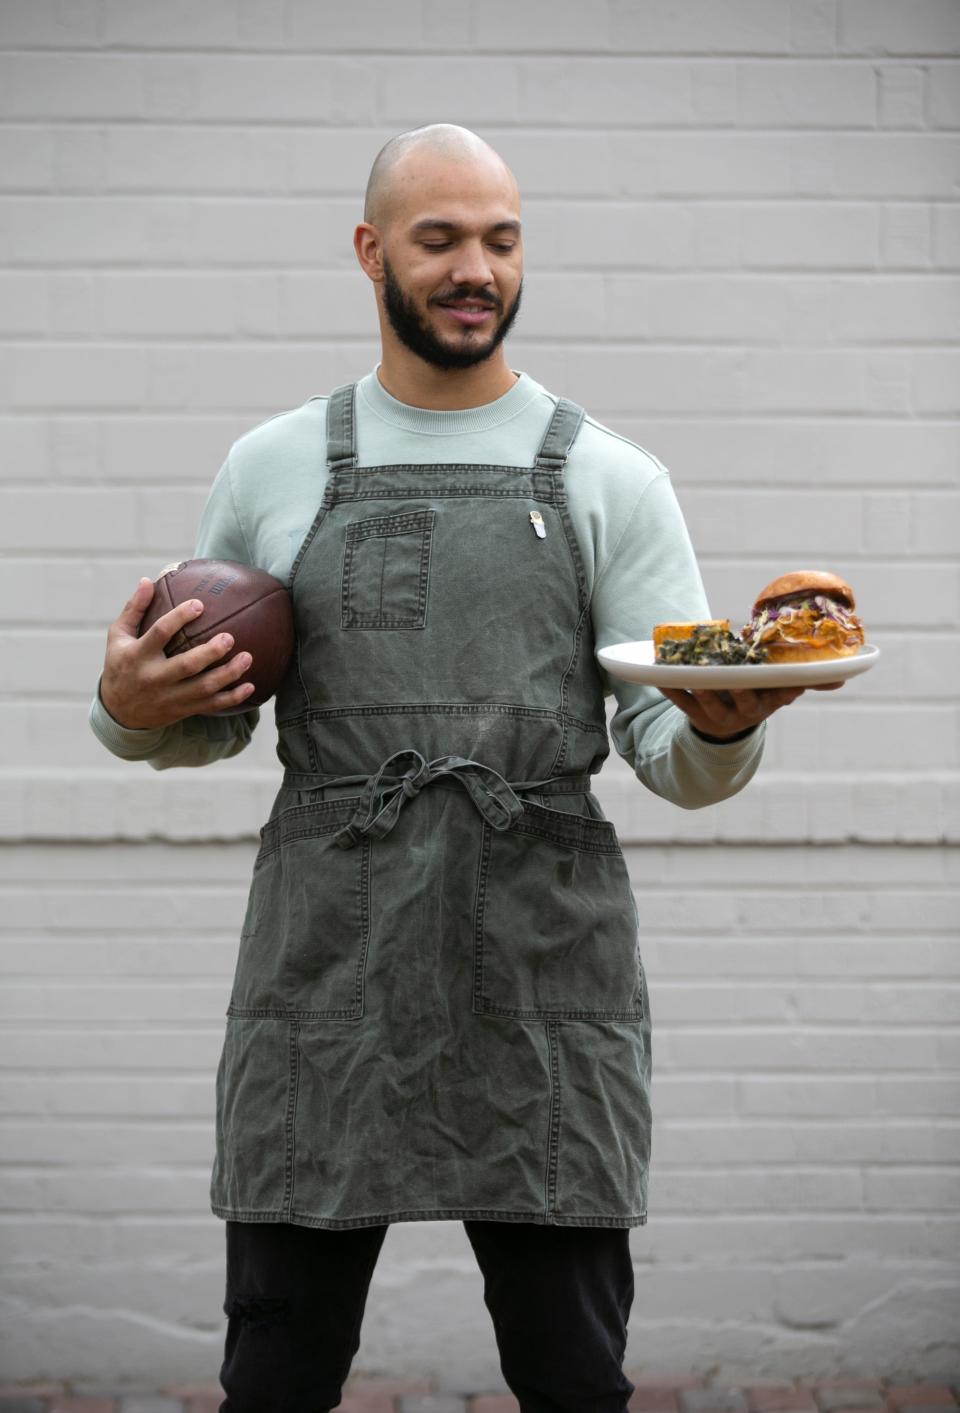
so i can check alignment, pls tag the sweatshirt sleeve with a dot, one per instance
(197, 740)
(652, 576)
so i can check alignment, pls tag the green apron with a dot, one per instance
(439, 1009)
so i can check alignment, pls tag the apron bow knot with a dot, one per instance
(382, 801)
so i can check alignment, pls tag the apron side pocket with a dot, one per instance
(556, 922)
(303, 948)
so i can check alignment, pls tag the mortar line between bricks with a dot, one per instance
(542, 52)
(624, 342)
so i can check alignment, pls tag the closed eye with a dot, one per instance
(445, 244)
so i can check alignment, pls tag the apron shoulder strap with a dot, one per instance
(560, 435)
(341, 427)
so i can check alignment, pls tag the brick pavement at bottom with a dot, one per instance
(654, 1394)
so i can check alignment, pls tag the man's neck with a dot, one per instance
(443, 390)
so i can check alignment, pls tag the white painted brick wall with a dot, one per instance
(805, 1142)
(743, 242)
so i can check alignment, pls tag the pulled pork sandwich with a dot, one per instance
(805, 616)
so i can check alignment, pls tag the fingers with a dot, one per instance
(770, 699)
(217, 679)
(706, 710)
(726, 713)
(168, 625)
(748, 702)
(128, 620)
(202, 657)
(206, 686)
(227, 698)
(142, 688)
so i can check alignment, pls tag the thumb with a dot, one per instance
(128, 621)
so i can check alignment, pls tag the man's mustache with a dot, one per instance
(477, 297)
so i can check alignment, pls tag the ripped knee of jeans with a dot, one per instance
(260, 1312)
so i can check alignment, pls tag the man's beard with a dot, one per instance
(417, 335)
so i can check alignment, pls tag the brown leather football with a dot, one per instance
(248, 603)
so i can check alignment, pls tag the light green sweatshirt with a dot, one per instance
(637, 555)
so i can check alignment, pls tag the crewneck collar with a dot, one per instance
(427, 422)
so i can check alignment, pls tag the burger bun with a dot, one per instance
(806, 581)
(805, 652)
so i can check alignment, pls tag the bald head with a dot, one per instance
(443, 141)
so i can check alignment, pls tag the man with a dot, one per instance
(439, 1010)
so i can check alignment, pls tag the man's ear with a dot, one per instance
(368, 244)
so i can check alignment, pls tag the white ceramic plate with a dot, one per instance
(634, 662)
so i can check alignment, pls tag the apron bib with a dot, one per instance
(439, 1009)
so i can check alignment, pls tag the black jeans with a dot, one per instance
(559, 1298)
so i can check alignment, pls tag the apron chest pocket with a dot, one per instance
(556, 922)
(386, 571)
(303, 948)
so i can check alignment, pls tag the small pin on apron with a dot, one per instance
(536, 520)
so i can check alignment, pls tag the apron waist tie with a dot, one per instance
(381, 801)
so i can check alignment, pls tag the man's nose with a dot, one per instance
(472, 267)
